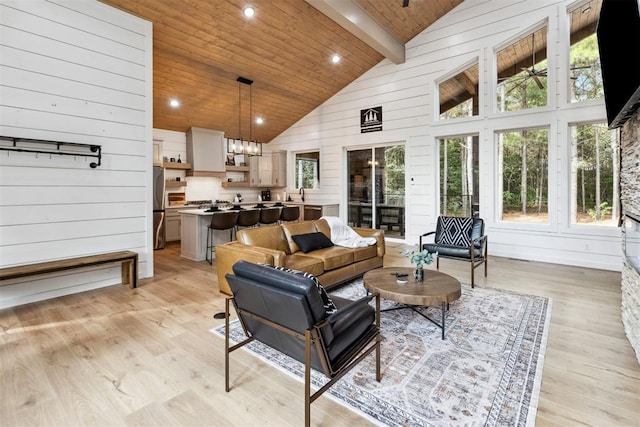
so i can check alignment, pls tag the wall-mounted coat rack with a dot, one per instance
(41, 146)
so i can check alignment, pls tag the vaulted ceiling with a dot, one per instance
(201, 47)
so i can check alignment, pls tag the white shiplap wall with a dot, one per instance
(74, 71)
(407, 93)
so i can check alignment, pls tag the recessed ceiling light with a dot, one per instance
(174, 103)
(248, 11)
(335, 58)
(259, 120)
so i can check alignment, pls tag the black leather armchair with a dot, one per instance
(286, 311)
(460, 238)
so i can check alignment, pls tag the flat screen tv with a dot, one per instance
(618, 34)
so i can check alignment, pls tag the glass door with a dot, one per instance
(376, 196)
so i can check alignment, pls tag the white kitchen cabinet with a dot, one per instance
(206, 151)
(260, 171)
(279, 168)
(269, 170)
(172, 226)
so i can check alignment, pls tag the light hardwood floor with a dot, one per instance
(145, 356)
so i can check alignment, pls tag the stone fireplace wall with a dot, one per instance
(630, 195)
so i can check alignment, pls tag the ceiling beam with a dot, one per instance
(354, 19)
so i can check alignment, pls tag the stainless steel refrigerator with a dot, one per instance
(158, 208)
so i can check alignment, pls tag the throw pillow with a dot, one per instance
(311, 241)
(455, 231)
(329, 306)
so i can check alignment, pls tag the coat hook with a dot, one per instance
(37, 155)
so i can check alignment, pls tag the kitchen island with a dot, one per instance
(195, 222)
(194, 226)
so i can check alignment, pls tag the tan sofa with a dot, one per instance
(274, 245)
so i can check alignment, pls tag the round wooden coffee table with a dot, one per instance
(437, 289)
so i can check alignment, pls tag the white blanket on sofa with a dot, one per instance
(343, 235)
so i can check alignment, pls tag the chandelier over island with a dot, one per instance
(247, 147)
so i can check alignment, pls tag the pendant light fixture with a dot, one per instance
(239, 145)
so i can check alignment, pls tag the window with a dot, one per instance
(585, 74)
(522, 73)
(459, 176)
(376, 189)
(523, 157)
(459, 94)
(594, 174)
(307, 172)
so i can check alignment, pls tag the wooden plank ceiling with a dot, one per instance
(200, 48)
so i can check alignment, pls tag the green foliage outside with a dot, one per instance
(595, 158)
(394, 172)
(524, 170)
(455, 193)
(308, 168)
(586, 74)
(522, 91)
(598, 214)
(524, 153)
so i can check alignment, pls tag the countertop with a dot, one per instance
(247, 205)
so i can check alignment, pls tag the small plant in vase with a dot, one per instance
(419, 258)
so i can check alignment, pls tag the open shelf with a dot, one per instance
(170, 184)
(235, 184)
(170, 165)
(230, 168)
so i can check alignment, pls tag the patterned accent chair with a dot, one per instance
(459, 238)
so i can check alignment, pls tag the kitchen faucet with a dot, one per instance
(301, 191)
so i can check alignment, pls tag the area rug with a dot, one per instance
(487, 372)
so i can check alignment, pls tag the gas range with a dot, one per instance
(202, 204)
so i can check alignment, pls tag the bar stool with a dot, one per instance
(269, 216)
(290, 213)
(220, 221)
(248, 218)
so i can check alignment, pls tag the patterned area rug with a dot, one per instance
(486, 372)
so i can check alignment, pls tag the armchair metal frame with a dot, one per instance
(312, 338)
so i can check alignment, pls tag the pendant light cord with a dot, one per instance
(240, 110)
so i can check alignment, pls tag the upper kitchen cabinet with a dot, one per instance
(206, 152)
(279, 168)
(269, 170)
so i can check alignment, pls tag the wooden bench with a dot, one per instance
(128, 259)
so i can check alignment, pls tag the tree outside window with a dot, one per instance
(394, 168)
(522, 83)
(459, 175)
(594, 174)
(585, 74)
(523, 157)
(307, 174)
